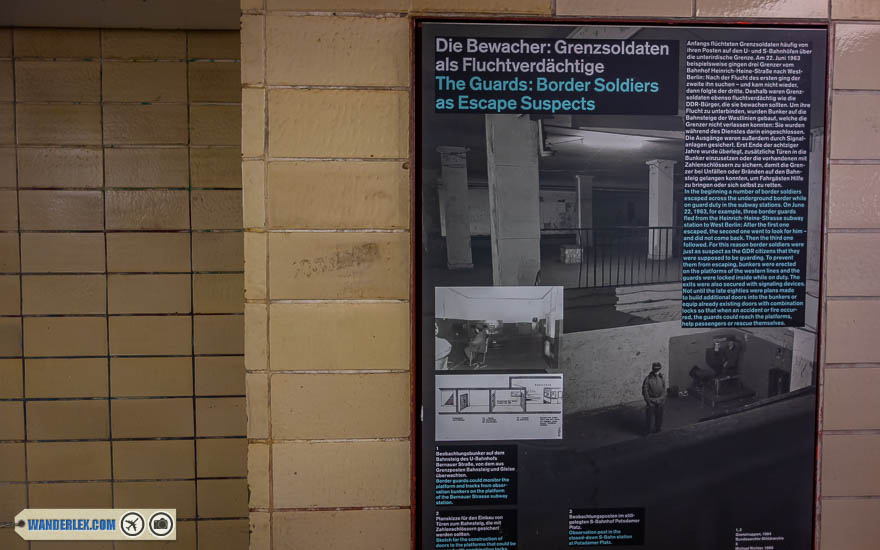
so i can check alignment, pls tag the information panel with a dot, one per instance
(619, 263)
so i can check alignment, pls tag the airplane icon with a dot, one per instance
(132, 524)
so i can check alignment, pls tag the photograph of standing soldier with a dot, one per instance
(654, 392)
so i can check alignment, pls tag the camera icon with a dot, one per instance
(161, 524)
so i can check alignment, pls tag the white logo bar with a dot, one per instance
(96, 524)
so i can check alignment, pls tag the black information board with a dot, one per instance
(618, 285)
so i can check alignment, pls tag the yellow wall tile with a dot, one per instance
(10, 379)
(180, 495)
(172, 459)
(648, 8)
(214, 82)
(215, 124)
(338, 123)
(855, 126)
(151, 376)
(218, 293)
(855, 9)
(7, 84)
(64, 294)
(214, 44)
(339, 406)
(61, 43)
(148, 252)
(850, 524)
(216, 209)
(361, 51)
(81, 460)
(306, 336)
(364, 529)
(338, 195)
(257, 472)
(256, 336)
(62, 252)
(140, 418)
(849, 327)
(219, 334)
(149, 293)
(162, 124)
(222, 457)
(855, 49)
(147, 167)
(848, 399)
(252, 49)
(68, 377)
(8, 210)
(253, 193)
(7, 125)
(129, 44)
(59, 167)
(10, 337)
(339, 265)
(70, 495)
(260, 531)
(58, 124)
(61, 210)
(144, 81)
(255, 265)
(11, 420)
(257, 406)
(63, 336)
(220, 416)
(229, 533)
(147, 209)
(151, 335)
(12, 458)
(58, 81)
(253, 122)
(852, 260)
(215, 167)
(7, 167)
(214, 251)
(849, 465)
(350, 474)
(762, 8)
(220, 375)
(222, 498)
(10, 295)
(81, 419)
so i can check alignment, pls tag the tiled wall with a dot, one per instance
(121, 276)
(326, 137)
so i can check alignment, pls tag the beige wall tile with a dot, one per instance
(11, 420)
(229, 533)
(74, 81)
(214, 82)
(171, 417)
(7, 125)
(306, 336)
(215, 167)
(258, 406)
(338, 195)
(363, 473)
(147, 209)
(219, 334)
(853, 259)
(849, 331)
(77, 377)
(849, 399)
(172, 459)
(215, 124)
(649, 8)
(849, 465)
(59, 167)
(855, 9)
(62, 252)
(149, 294)
(148, 252)
(7, 167)
(214, 44)
(257, 473)
(338, 123)
(186, 539)
(762, 8)
(144, 81)
(218, 251)
(256, 337)
(137, 124)
(150, 335)
(58, 124)
(70, 495)
(341, 5)
(850, 524)
(63, 336)
(338, 406)
(223, 498)
(259, 527)
(64, 294)
(56, 43)
(10, 337)
(130, 44)
(81, 419)
(80, 460)
(10, 379)
(253, 193)
(217, 416)
(10, 297)
(220, 375)
(6, 41)
(12, 498)
(151, 376)
(361, 51)
(339, 265)
(362, 529)
(8, 210)
(255, 265)
(253, 127)
(216, 209)
(855, 126)
(222, 457)
(147, 167)
(180, 495)
(12, 458)
(218, 293)
(68, 210)
(855, 48)
(7, 84)
(252, 49)
(491, 6)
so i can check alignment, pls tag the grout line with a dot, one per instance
(271, 473)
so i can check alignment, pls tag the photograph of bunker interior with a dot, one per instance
(498, 328)
(594, 204)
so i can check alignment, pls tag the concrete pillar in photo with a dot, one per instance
(814, 204)
(660, 208)
(585, 208)
(514, 208)
(453, 178)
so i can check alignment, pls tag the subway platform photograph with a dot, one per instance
(439, 274)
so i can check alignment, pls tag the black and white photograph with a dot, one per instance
(497, 328)
(708, 428)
